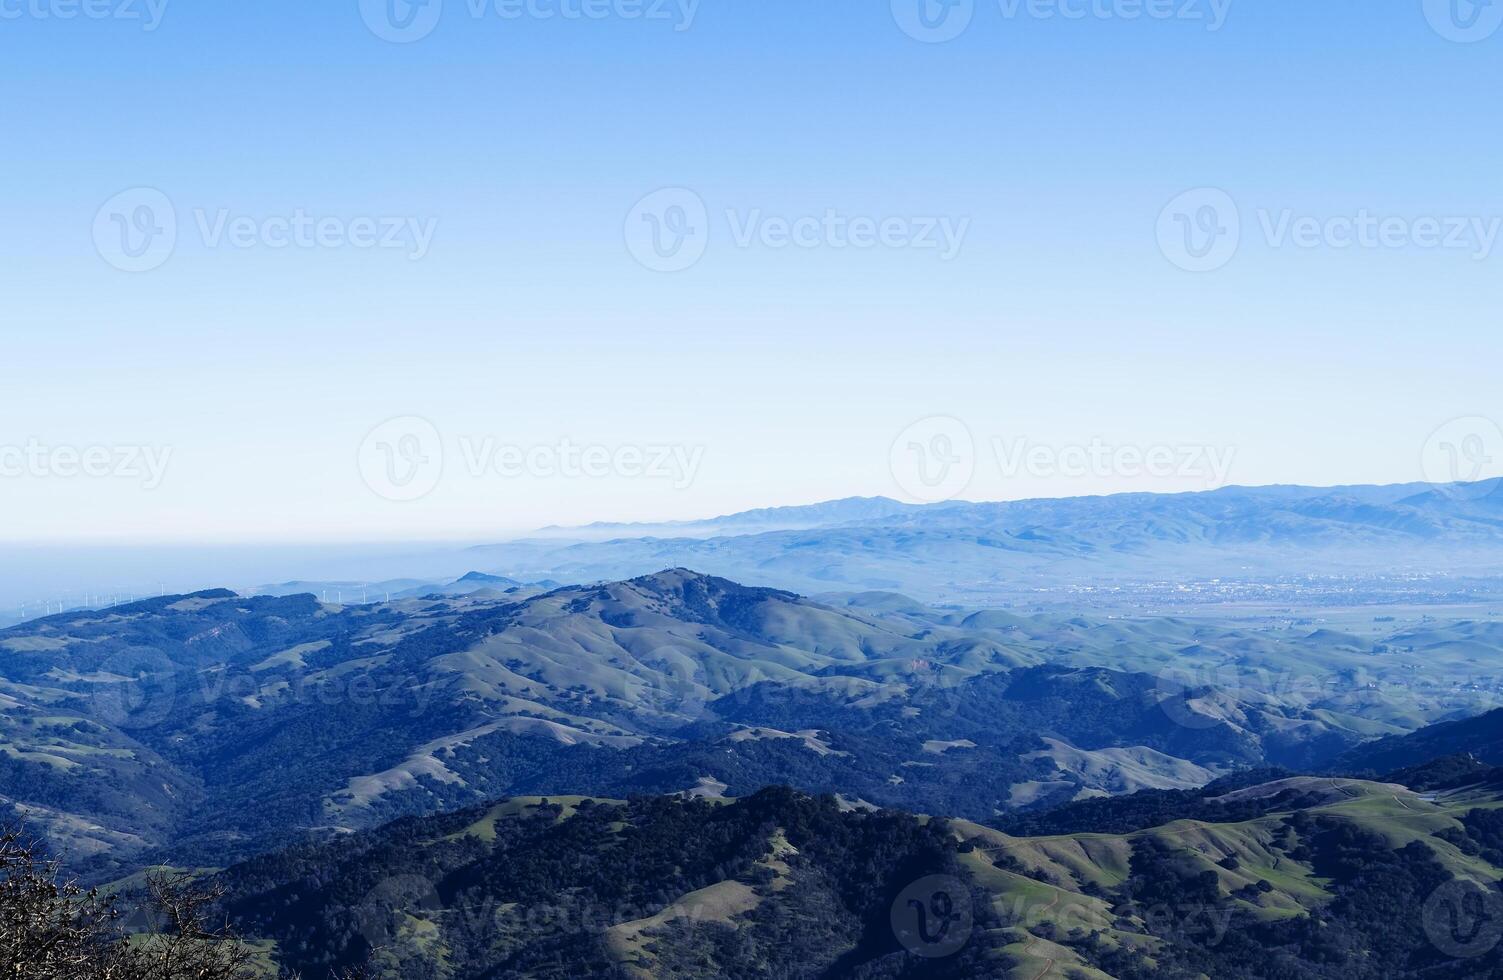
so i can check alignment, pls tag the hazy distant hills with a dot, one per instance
(471, 583)
(1290, 545)
(968, 551)
(827, 514)
(193, 727)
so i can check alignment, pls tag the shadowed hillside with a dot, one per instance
(1300, 877)
(194, 728)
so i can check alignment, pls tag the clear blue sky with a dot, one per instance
(524, 144)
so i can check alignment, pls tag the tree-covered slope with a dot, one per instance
(1480, 737)
(197, 729)
(1301, 877)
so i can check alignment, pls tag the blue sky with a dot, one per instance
(503, 158)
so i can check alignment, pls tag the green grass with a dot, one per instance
(1070, 863)
(485, 827)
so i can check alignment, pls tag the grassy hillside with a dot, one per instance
(185, 730)
(1327, 878)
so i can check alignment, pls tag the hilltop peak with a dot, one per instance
(697, 591)
(484, 577)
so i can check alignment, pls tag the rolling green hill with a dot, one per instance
(1317, 877)
(193, 729)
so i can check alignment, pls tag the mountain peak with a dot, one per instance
(486, 578)
(696, 597)
(686, 581)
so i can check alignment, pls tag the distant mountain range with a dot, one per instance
(1287, 545)
(976, 552)
(471, 583)
(189, 728)
(801, 517)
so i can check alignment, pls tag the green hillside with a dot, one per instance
(190, 730)
(1358, 880)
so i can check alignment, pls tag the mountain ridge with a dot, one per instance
(963, 551)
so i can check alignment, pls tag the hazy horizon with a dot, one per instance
(532, 283)
(49, 575)
(499, 535)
